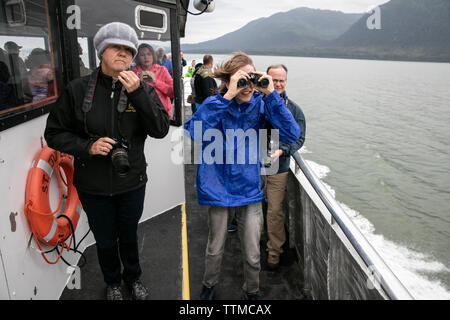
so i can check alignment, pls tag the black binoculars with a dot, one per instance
(254, 78)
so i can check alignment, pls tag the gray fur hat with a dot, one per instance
(115, 33)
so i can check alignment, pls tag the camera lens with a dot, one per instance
(119, 158)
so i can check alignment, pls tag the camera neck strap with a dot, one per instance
(89, 95)
(89, 98)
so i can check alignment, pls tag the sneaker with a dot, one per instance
(207, 293)
(138, 290)
(113, 293)
(252, 296)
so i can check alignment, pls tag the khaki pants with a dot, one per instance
(276, 190)
(250, 221)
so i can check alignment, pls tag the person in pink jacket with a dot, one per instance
(155, 75)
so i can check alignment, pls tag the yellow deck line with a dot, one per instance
(186, 291)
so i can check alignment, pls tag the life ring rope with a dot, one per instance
(63, 245)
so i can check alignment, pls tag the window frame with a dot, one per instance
(20, 114)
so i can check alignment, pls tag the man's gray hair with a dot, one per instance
(277, 66)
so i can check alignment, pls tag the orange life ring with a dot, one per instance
(48, 228)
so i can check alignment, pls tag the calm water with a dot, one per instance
(378, 133)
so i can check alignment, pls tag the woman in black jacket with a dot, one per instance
(103, 120)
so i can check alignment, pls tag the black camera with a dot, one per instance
(147, 78)
(254, 78)
(119, 157)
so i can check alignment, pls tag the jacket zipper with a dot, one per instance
(112, 131)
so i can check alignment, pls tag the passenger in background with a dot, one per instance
(204, 82)
(183, 60)
(41, 74)
(110, 175)
(13, 50)
(191, 97)
(276, 184)
(155, 75)
(229, 188)
(18, 74)
(162, 59)
(190, 70)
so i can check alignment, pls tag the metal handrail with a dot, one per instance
(388, 280)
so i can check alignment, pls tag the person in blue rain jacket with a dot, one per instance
(228, 177)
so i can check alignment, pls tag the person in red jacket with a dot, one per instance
(148, 70)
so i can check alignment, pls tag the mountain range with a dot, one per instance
(408, 30)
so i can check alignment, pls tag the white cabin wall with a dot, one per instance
(23, 273)
(165, 186)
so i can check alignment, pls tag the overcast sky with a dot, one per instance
(230, 15)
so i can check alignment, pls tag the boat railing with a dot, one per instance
(388, 281)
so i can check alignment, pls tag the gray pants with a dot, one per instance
(250, 222)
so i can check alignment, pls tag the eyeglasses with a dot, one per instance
(279, 81)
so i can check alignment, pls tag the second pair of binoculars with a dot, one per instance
(255, 79)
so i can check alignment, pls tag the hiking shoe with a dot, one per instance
(138, 290)
(113, 293)
(207, 293)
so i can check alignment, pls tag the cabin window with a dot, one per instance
(28, 61)
(150, 19)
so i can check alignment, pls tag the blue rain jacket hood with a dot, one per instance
(228, 170)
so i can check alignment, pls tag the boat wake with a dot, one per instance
(414, 269)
